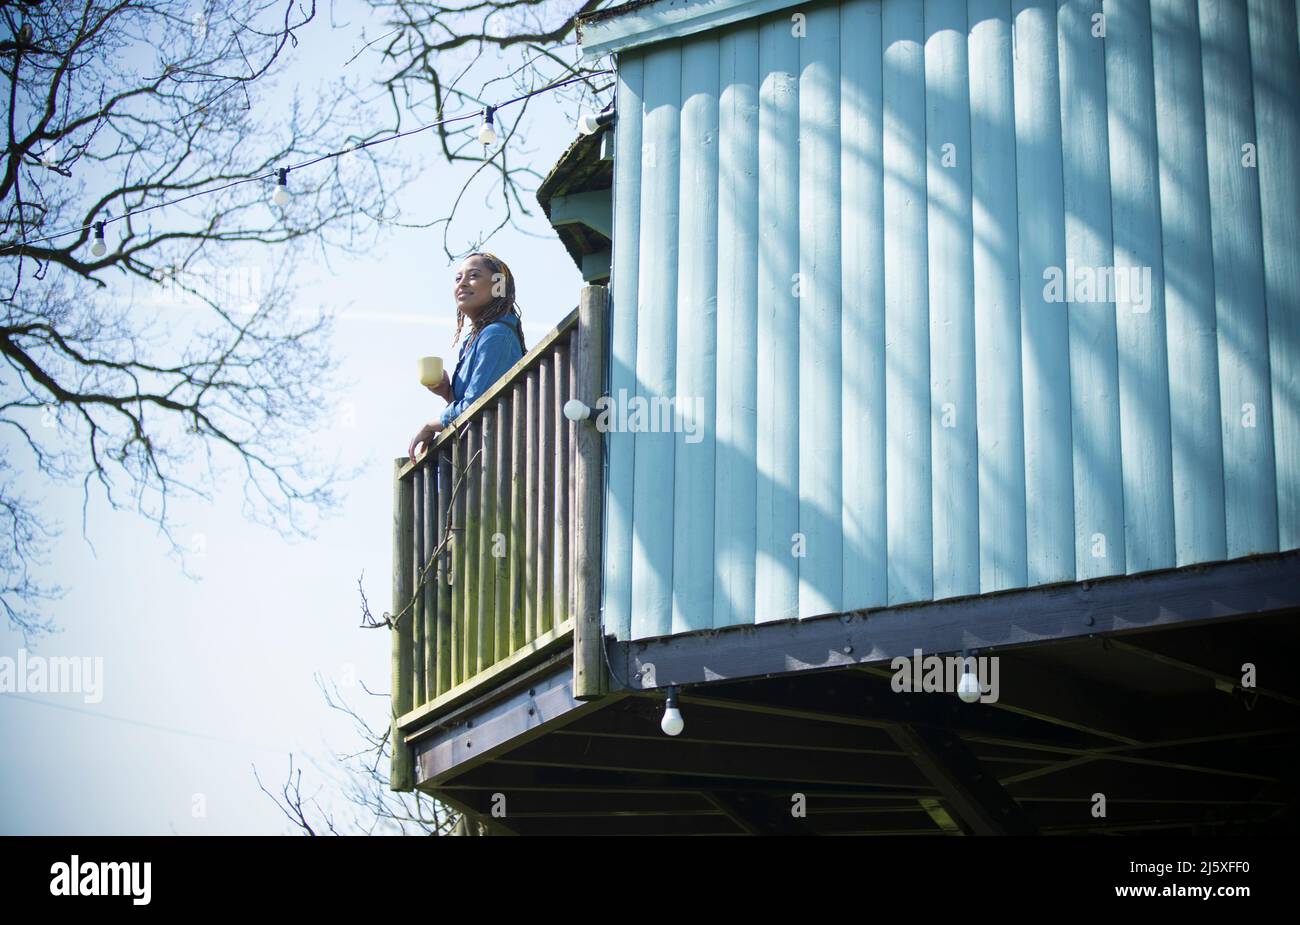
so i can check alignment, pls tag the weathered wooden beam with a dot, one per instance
(590, 676)
(987, 623)
(498, 728)
(966, 784)
(485, 547)
(593, 208)
(473, 555)
(401, 775)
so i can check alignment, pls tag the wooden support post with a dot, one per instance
(590, 679)
(402, 774)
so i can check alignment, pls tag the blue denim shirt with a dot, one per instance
(495, 350)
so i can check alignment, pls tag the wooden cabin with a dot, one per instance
(917, 331)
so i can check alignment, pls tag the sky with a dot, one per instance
(206, 678)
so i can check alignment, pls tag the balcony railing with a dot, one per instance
(496, 544)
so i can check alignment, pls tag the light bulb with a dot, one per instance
(672, 723)
(968, 688)
(281, 195)
(487, 135)
(99, 248)
(591, 122)
(575, 410)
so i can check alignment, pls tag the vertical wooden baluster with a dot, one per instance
(417, 593)
(546, 492)
(501, 566)
(487, 561)
(563, 476)
(571, 605)
(429, 471)
(472, 551)
(457, 561)
(530, 500)
(444, 604)
(402, 774)
(518, 513)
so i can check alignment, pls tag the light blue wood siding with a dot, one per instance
(950, 297)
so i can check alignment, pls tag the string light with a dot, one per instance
(281, 195)
(487, 135)
(280, 175)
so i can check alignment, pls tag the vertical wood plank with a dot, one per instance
(473, 552)
(563, 485)
(952, 391)
(1245, 394)
(444, 605)
(429, 474)
(531, 434)
(503, 488)
(518, 513)
(458, 566)
(571, 606)
(863, 290)
(1094, 365)
(1196, 437)
(402, 773)
(416, 478)
(907, 312)
(1276, 76)
(693, 398)
(1139, 315)
(996, 284)
(652, 540)
(776, 574)
(821, 580)
(545, 494)
(624, 294)
(735, 466)
(487, 542)
(1045, 349)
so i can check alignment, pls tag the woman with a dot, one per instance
(485, 294)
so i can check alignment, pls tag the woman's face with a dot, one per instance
(473, 286)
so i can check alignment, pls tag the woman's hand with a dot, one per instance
(443, 388)
(426, 436)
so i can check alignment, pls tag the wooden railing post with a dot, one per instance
(590, 679)
(402, 775)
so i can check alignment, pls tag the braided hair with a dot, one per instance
(500, 306)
